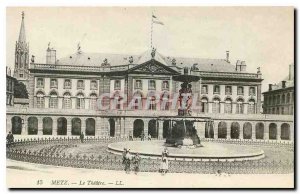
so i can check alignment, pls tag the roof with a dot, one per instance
(98, 59)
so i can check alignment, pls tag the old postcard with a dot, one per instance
(150, 97)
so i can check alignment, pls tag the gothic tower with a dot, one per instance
(21, 72)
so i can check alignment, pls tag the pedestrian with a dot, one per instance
(149, 137)
(142, 136)
(164, 165)
(136, 163)
(10, 139)
(127, 160)
(165, 153)
(81, 137)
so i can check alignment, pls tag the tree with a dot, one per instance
(20, 90)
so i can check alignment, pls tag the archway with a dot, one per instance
(152, 128)
(62, 126)
(166, 127)
(235, 130)
(16, 127)
(247, 131)
(76, 126)
(209, 130)
(222, 130)
(285, 131)
(32, 126)
(138, 127)
(90, 127)
(259, 131)
(272, 131)
(112, 127)
(47, 126)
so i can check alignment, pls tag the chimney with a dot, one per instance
(238, 65)
(283, 84)
(243, 66)
(227, 56)
(270, 87)
(51, 56)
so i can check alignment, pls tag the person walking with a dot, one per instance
(82, 137)
(149, 137)
(127, 159)
(164, 165)
(9, 139)
(136, 163)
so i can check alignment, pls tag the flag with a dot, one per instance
(156, 21)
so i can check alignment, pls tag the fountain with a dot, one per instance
(183, 132)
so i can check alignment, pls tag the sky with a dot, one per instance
(261, 36)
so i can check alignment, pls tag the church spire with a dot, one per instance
(22, 37)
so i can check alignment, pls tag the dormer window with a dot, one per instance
(94, 85)
(117, 84)
(152, 84)
(80, 84)
(53, 83)
(138, 84)
(165, 85)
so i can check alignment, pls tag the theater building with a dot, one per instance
(64, 96)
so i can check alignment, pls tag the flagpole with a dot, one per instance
(151, 28)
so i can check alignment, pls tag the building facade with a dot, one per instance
(10, 86)
(115, 95)
(279, 99)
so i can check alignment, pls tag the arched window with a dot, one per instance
(204, 105)
(53, 102)
(93, 102)
(228, 106)
(251, 107)
(152, 105)
(67, 103)
(216, 108)
(40, 100)
(240, 106)
(80, 101)
(285, 132)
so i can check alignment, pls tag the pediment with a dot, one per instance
(153, 67)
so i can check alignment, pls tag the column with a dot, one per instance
(40, 126)
(266, 131)
(222, 104)
(31, 90)
(54, 126)
(60, 104)
(278, 136)
(69, 126)
(123, 134)
(228, 136)
(253, 130)
(258, 94)
(146, 123)
(160, 129)
(117, 127)
(24, 126)
(98, 127)
(216, 131)
(83, 125)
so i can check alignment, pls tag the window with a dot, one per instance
(40, 101)
(228, 106)
(80, 84)
(40, 83)
(288, 98)
(53, 83)
(283, 99)
(252, 91)
(53, 100)
(152, 85)
(152, 105)
(204, 105)
(228, 90)
(93, 102)
(165, 85)
(67, 84)
(240, 106)
(278, 100)
(216, 89)
(80, 101)
(204, 89)
(282, 110)
(138, 84)
(251, 107)
(240, 90)
(216, 105)
(117, 84)
(67, 103)
(21, 75)
(94, 85)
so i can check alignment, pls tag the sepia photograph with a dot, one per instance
(150, 97)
